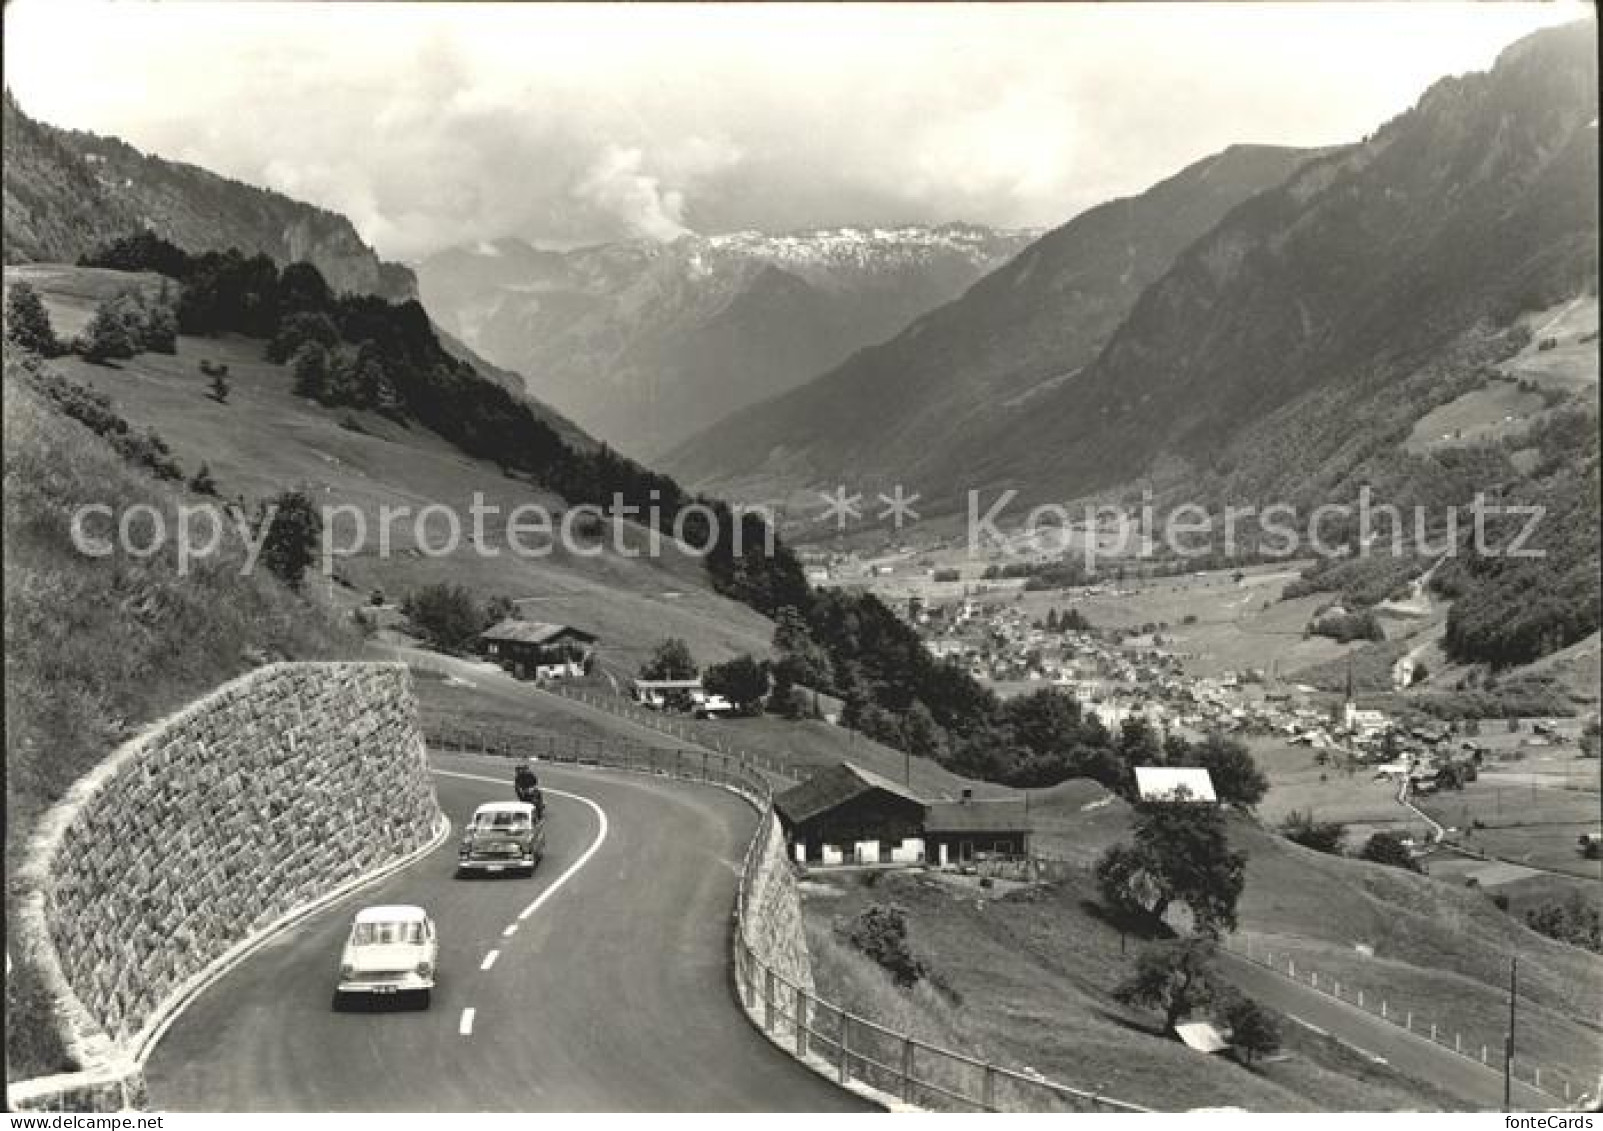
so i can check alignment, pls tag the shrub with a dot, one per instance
(880, 932)
(1389, 849)
(1321, 836)
(108, 336)
(202, 482)
(445, 615)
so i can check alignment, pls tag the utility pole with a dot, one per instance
(1508, 1046)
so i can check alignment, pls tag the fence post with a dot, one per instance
(1291, 967)
(801, 1021)
(1360, 999)
(1483, 1054)
(907, 1069)
(845, 1042)
(768, 1000)
(1409, 1024)
(1458, 1042)
(988, 1088)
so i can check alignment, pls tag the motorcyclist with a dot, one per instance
(527, 784)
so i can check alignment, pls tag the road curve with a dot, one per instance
(611, 994)
(1480, 1088)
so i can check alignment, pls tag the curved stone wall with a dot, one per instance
(274, 790)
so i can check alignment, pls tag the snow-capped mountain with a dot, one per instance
(645, 343)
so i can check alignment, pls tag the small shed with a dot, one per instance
(532, 649)
(970, 829)
(845, 814)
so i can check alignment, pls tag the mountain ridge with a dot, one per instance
(891, 407)
(643, 342)
(68, 192)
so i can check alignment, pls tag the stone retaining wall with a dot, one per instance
(773, 913)
(270, 792)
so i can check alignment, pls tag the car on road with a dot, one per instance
(503, 836)
(391, 950)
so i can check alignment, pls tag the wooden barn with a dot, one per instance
(845, 814)
(536, 650)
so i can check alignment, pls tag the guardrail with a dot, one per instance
(829, 1038)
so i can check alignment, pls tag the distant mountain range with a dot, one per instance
(69, 192)
(1265, 320)
(967, 372)
(645, 343)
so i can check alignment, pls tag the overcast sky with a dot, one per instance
(433, 125)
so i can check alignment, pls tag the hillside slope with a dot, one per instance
(265, 439)
(971, 368)
(646, 343)
(96, 648)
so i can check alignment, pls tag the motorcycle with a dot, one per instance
(532, 795)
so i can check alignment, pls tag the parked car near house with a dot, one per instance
(503, 836)
(391, 950)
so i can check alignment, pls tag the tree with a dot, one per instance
(310, 366)
(1181, 854)
(1389, 849)
(1176, 980)
(298, 329)
(1573, 921)
(294, 535)
(743, 681)
(801, 659)
(202, 482)
(445, 615)
(1236, 777)
(107, 336)
(1253, 1029)
(670, 660)
(920, 733)
(301, 288)
(28, 322)
(160, 331)
(1321, 836)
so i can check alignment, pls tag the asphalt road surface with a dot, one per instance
(1480, 1088)
(608, 988)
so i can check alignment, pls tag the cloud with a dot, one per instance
(618, 183)
(432, 125)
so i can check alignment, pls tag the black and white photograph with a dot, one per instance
(801, 557)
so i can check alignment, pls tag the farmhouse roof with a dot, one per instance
(976, 817)
(1201, 1036)
(513, 630)
(1164, 783)
(834, 786)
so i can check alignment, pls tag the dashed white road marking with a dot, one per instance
(584, 858)
(489, 960)
(466, 1026)
(510, 931)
